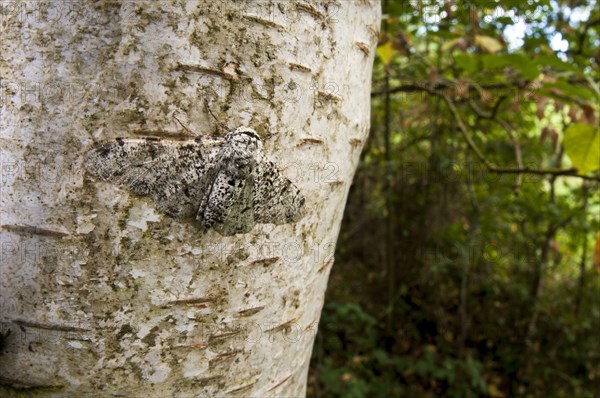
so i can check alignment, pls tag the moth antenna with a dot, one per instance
(219, 123)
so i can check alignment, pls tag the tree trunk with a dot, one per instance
(100, 292)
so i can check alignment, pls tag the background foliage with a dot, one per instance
(468, 262)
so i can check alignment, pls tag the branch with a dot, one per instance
(449, 84)
(413, 141)
(582, 35)
(492, 167)
(497, 105)
(415, 87)
(513, 136)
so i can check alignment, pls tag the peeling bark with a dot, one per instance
(102, 294)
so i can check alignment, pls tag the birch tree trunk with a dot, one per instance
(101, 294)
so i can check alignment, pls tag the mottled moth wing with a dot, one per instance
(226, 184)
(229, 208)
(175, 174)
(276, 200)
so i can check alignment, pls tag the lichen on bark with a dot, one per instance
(102, 293)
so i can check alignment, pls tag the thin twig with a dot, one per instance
(573, 172)
(182, 125)
(513, 136)
(221, 124)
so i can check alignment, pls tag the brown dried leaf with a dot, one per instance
(474, 17)
(461, 89)
(589, 115)
(541, 107)
(596, 254)
(448, 8)
(550, 133)
(573, 114)
(558, 105)
(485, 95)
(433, 77)
(554, 137)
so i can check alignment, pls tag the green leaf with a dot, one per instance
(505, 20)
(521, 63)
(491, 61)
(386, 52)
(449, 44)
(524, 65)
(466, 61)
(488, 43)
(569, 90)
(582, 145)
(555, 62)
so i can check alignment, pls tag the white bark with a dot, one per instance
(100, 292)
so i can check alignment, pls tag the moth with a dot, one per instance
(222, 183)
